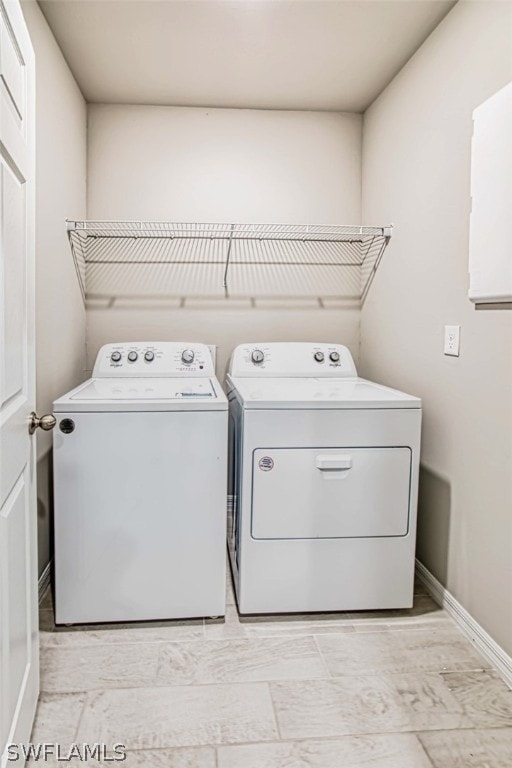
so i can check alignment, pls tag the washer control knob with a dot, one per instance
(149, 356)
(187, 356)
(132, 356)
(334, 357)
(257, 356)
(319, 357)
(115, 357)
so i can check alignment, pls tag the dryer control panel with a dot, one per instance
(292, 359)
(158, 359)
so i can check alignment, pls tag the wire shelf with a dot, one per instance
(134, 259)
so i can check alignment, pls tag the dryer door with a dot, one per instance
(306, 493)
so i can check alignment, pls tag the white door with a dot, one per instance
(19, 673)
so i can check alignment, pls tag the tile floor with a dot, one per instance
(392, 689)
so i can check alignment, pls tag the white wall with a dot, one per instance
(187, 164)
(416, 173)
(61, 124)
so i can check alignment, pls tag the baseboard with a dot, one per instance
(488, 647)
(44, 580)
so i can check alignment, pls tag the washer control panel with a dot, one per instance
(153, 359)
(292, 359)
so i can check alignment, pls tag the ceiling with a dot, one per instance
(267, 54)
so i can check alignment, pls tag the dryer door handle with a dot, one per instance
(333, 461)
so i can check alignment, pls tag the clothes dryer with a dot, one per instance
(323, 482)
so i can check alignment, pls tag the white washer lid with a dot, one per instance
(318, 393)
(169, 394)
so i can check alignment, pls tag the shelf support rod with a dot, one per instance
(225, 281)
(373, 270)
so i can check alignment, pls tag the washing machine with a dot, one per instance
(323, 482)
(140, 476)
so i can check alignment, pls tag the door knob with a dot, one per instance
(45, 422)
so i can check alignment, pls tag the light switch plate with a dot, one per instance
(452, 340)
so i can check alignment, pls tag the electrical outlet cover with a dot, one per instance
(452, 340)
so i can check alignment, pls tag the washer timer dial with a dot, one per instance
(335, 357)
(257, 356)
(187, 356)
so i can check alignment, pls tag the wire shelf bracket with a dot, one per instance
(134, 259)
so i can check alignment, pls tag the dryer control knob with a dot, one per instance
(149, 356)
(319, 357)
(132, 356)
(335, 357)
(187, 356)
(115, 357)
(257, 356)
